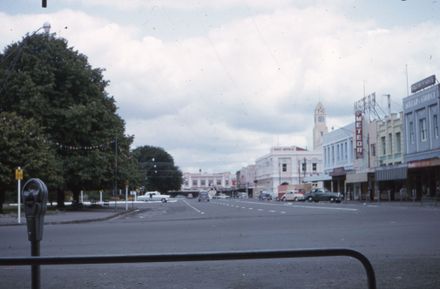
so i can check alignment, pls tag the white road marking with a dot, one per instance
(302, 206)
(194, 208)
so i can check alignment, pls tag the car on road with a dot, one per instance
(204, 197)
(263, 196)
(154, 196)
(295, 195)
(320, 194)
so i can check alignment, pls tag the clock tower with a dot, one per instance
(320, 127)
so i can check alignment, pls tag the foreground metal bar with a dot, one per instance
(192, 257)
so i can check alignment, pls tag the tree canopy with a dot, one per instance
(52, 85)
(23, 144)
(158, 169)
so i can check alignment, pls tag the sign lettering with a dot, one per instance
(359, 142)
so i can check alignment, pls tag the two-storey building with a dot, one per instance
(422, 137)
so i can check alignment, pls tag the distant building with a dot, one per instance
(204, 181)
(285, 165)
(320, 126)
(246, 179)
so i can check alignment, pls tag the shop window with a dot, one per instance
(398, 143)
(435, 125)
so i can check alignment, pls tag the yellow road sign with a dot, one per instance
(18, 174)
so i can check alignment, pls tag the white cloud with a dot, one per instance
(220, 100)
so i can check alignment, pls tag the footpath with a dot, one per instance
(67, 216)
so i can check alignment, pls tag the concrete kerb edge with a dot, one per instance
(112, 216)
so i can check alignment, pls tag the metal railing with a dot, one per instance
(194, 257)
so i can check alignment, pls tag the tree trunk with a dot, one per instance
(60, 199)
(2, 199)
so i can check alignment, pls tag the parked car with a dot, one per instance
(204, 197)
(265, 196)
(295, 196)
(320, 194)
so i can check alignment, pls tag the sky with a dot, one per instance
(218, 83)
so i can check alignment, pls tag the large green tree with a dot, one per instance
(43, 79)
(23, 144)
(158, 169)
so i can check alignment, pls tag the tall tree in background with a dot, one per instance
(43, 80)
(22, 144)
(159, 172)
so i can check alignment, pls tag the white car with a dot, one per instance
(295, 195)
(154, 196)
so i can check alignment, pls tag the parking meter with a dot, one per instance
(34, 195)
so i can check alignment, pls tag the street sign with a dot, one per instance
(18, 174)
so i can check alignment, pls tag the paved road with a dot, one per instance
(402, 242)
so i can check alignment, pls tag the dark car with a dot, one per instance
(265, 196)
(317, 195)
(204, 196)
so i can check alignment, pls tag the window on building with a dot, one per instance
(284, 167)
(373, 150)
(383, 144)
(345, 151)
(226, 182)
(304, 166)
(411, 132)
(210, 182)
(194, 183)
(337, 152)
(314, 167)
(422, 124)
(185, 183)
(219, 182)
(398, 143)
(333, 154)
(390, 140)
(203, 183)
(435, 125)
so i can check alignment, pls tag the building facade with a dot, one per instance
(422, 139)
(204, 181)
(338, 155)
(391, 172)
(320, 126)
(285, 165)
(246, 179)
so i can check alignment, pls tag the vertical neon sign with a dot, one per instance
(358, 130)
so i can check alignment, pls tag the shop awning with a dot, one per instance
(357, 178)
(392, 173)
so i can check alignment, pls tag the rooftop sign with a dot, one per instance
(423, 83)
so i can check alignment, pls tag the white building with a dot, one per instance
(320, 126)
(286, 164)
(204, 181)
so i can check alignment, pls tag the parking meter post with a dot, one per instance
(19, 201)
(34, 195)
